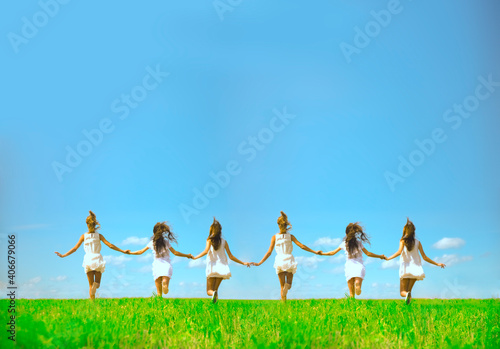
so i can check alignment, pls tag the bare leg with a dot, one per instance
(289, 279)
(411, 283)
(403, 286)
(164, 284)
(217, 283)
(90, 277)
(158, 286)
(282, 278)
(350, 284)
(357, 285)
(210, 286)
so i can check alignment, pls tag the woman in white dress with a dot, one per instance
(93, 263)
(354, 249)
(284, 263)
(160, 246)
(217, 268)
(410, 264)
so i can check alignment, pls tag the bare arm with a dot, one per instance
(302, 246)
(80, 241)
(370, 254)
(205, 251)
(233, 258)
(331, 253)
(401, 245)
(110, 245)
(427, 259)
(138, 252)
(268, 253)
(179, 254)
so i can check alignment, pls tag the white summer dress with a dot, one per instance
(410, 264)
(354, 267)
(161, 262)
(92, 261)
(284, 261)
(217, 266)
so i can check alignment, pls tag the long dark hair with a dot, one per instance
(215, 234)
(283, 223)
(409, 234)
(160, 231)
(92, 222)
(354, 234)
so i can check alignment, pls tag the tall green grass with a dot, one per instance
(194, 323)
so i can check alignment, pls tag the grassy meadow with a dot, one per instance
(197, 323)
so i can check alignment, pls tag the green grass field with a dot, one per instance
(194, 323)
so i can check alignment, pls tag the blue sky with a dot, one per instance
(333, 112)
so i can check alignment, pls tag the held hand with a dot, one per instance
(247, 264)
(126, 251)
(442, 265)
(383, 257)
(60, 255)
(255, 264)
(319, 253)
(190, 256)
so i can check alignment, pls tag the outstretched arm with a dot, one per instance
(302, 246)
(205, 251)
(369, 254)
(268, 253)
(138, 252)
(80, 241)
(401, 245)
(233, 258)
(331, 253)
(179, 254)
(110, 245)
(427, 259)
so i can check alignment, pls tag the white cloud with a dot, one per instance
(445, 243)
(452, 259)
(116, 260)
(134, 240)
(392, 264)
(145, 269)
(197, 263)
(309, 262)
(35, 280)
(59, 278)
(385, 285)
(328, 242)
(338, 270)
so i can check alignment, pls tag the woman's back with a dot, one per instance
(411, 257)
(283, 244)
(219, 254)
(92, 243)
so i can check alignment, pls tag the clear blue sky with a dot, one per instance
(318, 110)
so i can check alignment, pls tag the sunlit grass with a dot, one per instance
(193, 323)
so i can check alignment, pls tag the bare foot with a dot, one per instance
(164, 286)
(95, 286)
(284, 292)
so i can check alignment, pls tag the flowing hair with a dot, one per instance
(354, 234)
(160, 231)
(215, 234)
(283, 223)
(92, 223)
(409, 234)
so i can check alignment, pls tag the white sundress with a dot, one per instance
(217, 266)
(354, 267)
(93, 261)
(410, 264)
(161, 263)
(284, 261)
